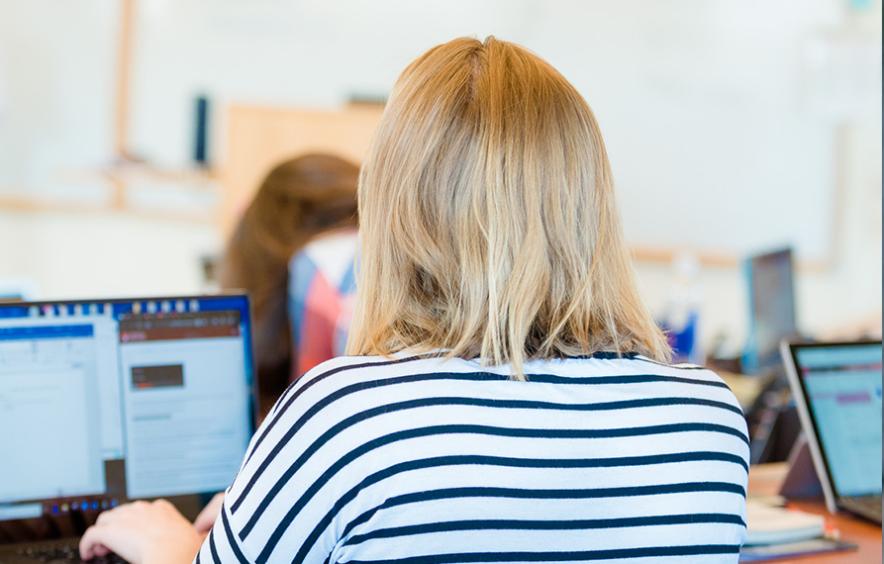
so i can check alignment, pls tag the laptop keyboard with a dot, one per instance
(64, 553)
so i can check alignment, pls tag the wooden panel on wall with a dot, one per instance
(260, 137)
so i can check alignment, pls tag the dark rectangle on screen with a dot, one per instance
(153, 377)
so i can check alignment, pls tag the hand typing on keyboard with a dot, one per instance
(142, 533)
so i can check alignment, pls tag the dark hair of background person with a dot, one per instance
(299, 199)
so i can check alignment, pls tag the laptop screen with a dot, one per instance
(842, 385)
(771, 309)
(107, 401)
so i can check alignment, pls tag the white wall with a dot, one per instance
(831, 300)
(62, 255)
(703, 102)
(56, 91)
(55, 96)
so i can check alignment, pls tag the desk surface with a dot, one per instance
(765, 479)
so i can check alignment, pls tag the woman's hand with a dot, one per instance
(142, 533)
(206, 519)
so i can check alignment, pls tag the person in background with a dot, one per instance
(322, 288)
(299, 200)
(509, 397)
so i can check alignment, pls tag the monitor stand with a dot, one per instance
(801, 481)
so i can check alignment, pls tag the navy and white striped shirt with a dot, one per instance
(423, 460)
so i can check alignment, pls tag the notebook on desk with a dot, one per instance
(768, 525)
(808, 547)
(774, 533)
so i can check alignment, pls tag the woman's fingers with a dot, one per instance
(142, 531)
(206, 519)
(98, 540)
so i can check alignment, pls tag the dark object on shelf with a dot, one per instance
(201, 131)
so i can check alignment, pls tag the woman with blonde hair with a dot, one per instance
(509, 399)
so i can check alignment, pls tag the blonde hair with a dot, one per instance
(488, 222)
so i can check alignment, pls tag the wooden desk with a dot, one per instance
(765, 480)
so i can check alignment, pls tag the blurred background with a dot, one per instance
(134, 132)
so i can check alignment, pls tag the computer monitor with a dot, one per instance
(771, 293)
(837, 388)
(105, 401)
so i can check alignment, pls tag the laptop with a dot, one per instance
(837, 390)
(108, 401)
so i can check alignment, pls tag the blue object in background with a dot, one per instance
(684, 339)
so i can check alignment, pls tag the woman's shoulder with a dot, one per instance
(431, 366)
(344, 374)
(679, 372)
(602, 363)
(352, 366)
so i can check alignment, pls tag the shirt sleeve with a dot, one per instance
(283, 502)
(222, 544)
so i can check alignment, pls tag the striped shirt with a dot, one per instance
(423, 460)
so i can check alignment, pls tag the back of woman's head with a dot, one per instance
(488, 221)
(298, 200)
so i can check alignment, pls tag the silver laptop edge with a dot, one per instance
(816, 452)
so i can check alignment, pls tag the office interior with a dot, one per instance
(134, 133)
